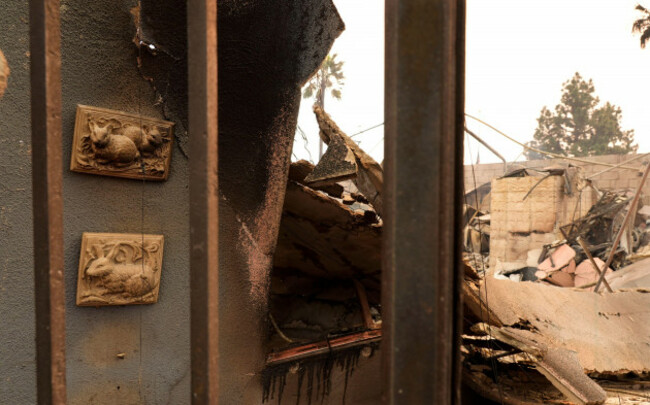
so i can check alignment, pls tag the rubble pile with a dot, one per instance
(591, 348)
(535, 244)
(527, 211)
(552, 229)
(325, 304)
(528, 341)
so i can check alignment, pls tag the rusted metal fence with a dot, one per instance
(424, 172)
(424, 182)
(47, 180)
(204, 220)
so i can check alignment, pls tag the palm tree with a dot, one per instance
(328, 76)
(642, 25)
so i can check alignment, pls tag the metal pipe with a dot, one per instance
(47, 193)
(311, 350)
(491, 149)
(204, 222)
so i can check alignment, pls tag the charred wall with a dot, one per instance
(267, 50)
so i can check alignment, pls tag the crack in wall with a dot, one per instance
(152, 48)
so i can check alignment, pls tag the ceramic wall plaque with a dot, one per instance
(119, 269)
(115, 143)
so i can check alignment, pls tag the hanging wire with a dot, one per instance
(305, 142)
(377, 144)
(366, 130)
(549, 154)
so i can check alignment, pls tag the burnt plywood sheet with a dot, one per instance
(610, 332)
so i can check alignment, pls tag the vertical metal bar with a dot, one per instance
(423, 169)
(204, 266)
(459, 189)
(47, 179)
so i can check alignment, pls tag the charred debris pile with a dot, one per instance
(556, 292)
(536, 241)
(325, 283)
(553, 226)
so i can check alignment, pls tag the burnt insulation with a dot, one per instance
(316, 372)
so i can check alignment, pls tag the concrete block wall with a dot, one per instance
(519, 225)
(616, 180)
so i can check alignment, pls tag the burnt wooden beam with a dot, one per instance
(204, 221)
(422, 270)
(47, 180)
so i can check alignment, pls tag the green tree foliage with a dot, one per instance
(328, 76)
(642, 25)
(578, 127)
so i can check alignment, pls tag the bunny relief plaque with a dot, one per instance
(119, 269)
(115, 143)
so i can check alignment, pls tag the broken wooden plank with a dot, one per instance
(368, 322)
(515, 386)
(518, 386)
(562, 368)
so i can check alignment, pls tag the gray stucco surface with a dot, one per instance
(17, 348)
(100, 69)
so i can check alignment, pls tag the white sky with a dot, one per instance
(519, 52)
(361, 48)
